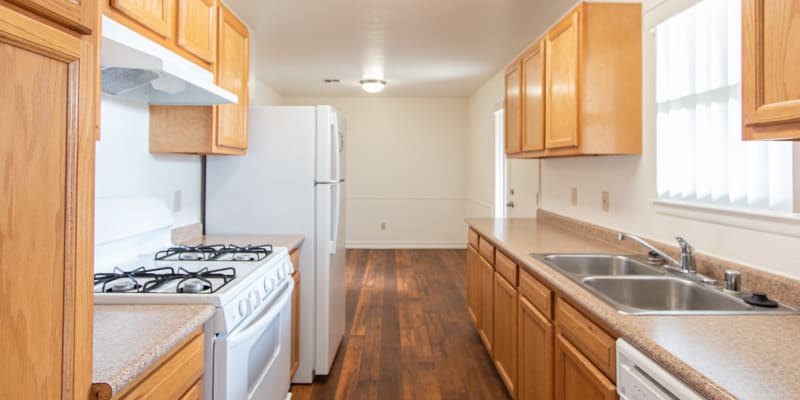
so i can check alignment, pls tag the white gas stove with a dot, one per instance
(237, 280)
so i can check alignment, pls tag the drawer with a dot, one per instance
(592, 341)
(486, 249)
(506, 267)
(537, 293)
(472, 237)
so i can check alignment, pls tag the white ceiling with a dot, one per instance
(420, 47)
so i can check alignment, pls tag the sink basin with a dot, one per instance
(662, 295)
(599, 265)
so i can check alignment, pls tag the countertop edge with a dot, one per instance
(150, 357)
(610, 317)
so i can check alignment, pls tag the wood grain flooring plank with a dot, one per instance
(408, 333)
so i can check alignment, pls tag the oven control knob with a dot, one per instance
(254, 299)
(244, 307)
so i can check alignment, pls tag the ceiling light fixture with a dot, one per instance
(372, 85)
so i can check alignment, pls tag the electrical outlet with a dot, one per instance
(604, 201)
(383, 226)
(574, 196)
(177, 201)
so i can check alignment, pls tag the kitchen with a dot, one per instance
(546, 130)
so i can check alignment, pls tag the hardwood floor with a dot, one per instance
(408, 333)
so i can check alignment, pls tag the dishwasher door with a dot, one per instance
(640, 378)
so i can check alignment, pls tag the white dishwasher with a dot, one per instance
(640, 378)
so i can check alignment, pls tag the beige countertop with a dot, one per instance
(289, 241)
(722, 357)
(128, 339)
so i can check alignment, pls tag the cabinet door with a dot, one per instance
(576, 378)
(197, 31)
(69, 13)
(770, 83)
(39, 194)
(474, 285)
(562, 74)
(156, 15)
(232, 74)
(513, 108)
(195, 392)
(533, 121)
(295, 323)
(535, 354)
(486, 330)
(505, 331)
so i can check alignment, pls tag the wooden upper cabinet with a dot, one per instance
(533, 98)
(46, 147)
(233, 72)
(575, 376)
(563, 58)
(770, 82)
(156, 15)
(513, 108)
(197, 31)
(587, 100)
(72, 14)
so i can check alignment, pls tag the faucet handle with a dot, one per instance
(685, 246)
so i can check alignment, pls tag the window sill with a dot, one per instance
(763, 221)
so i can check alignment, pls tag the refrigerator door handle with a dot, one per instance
(329, 182)
(335, 224)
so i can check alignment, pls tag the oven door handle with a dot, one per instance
(236, 338)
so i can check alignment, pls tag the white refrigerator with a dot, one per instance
(292, 182)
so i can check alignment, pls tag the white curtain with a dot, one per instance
(700, 154)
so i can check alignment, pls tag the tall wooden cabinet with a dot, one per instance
(505, 331)
(47, 194)
(582, 85)
(770, 83)
(535, 353)
(233, 72)
(512, 110)
(486, 325)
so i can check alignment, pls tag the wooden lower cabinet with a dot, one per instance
(486, 329)
(177, 375)
(535, 346)
(474, 285)
(505, 331)
(576, 378)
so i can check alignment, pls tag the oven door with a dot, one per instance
(253, 361)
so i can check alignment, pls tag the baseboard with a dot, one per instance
(405, 245)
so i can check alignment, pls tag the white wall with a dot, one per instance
(480, 143)
(125, 166)
(405, 167)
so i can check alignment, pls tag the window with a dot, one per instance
(499, 165)
(700, 155)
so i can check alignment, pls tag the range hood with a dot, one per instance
(135, 66)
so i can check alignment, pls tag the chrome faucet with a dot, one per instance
(687, 256)
(686, 263)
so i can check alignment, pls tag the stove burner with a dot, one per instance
(215, 252)
(126, 281)
(194, 286)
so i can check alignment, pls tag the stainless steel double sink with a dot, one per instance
(633, 286)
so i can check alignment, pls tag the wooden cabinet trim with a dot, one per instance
(594, 343)
(537, 293)
(506, 267)
(486, 249)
